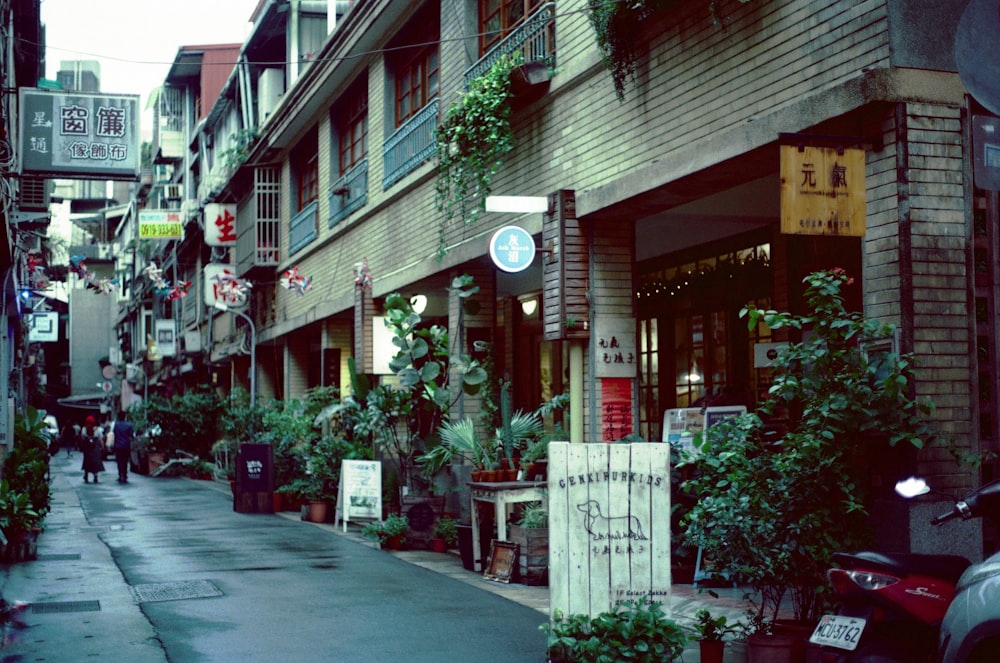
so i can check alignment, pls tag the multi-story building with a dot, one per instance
(664, 198)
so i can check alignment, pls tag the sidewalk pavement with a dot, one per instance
(86, 568)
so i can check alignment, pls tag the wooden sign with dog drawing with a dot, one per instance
(609, 525)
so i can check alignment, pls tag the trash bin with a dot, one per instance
(465, 546)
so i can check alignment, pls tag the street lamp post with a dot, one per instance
(253, 349)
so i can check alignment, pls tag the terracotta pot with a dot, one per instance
(317, 512)
(277, 499)
(509, 475)
(394, 542)
(491, 476)
(711, 650)
(770, 648)
(438, 545)
(477, 476)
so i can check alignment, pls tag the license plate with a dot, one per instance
(838, 631)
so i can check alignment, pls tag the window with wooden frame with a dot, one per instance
(417, 65)
(351, 126)
(305, 170)
(497, 18)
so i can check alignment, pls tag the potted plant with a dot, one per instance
(390, 533)
(444, 534)
(199, 468)
(631, 631)
(459, 441)
(711, 632)
(774, 503)
(531, 534)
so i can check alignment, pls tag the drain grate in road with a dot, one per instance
(57, 557)
(65, 606)
(174, 591)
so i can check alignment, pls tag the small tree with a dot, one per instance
(775, 502)
(405, 421)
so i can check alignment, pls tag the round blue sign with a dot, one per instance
(512, 249)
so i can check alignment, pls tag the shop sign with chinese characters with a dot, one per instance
(220, 224)
(79, 135)
(822, 191)
(615, 352)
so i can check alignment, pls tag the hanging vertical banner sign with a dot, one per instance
(822, 191)
(616, 403)
(220, 224)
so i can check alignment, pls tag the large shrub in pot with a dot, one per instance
(780, 490)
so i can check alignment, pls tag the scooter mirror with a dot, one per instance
(912, 487)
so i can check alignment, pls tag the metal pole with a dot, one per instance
(253, 356)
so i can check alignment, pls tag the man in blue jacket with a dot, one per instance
(122, 431)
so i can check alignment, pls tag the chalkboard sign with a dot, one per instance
(360, 492)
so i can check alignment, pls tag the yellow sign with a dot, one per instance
(160, 224)
(822, 191)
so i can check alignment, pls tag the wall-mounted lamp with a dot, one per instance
(418, 303)
(529, 306)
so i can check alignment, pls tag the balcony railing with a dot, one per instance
(534, 39)
(349, 193)
(410, 145)
(302, 228)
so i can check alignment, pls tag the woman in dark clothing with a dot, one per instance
(93, 449)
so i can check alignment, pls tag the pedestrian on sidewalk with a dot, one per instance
(92, 445)
(121, 441)
(68, 438)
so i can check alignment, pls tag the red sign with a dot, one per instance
(616, 415)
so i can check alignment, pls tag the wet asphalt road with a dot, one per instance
(179, 576)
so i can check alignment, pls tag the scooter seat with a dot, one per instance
(946, 567)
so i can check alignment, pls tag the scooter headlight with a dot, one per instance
(872, 581)
(845, 581)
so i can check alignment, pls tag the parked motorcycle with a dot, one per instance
(916, 608)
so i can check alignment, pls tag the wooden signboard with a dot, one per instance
(609, 525)
(822, 191)
(360, 491)
(566, 273)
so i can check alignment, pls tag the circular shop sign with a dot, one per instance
(512, 249)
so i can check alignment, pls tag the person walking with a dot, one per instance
(92, 445)
(68, 438)
(121, 433)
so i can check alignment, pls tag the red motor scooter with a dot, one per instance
(915, 608)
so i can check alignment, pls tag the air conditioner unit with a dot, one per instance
(270, 87)
(35, 194)
(173, 191)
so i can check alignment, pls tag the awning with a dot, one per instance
(92, 402)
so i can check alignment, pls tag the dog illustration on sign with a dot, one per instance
(603, 527)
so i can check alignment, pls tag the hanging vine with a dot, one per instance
(472, 141)
(617, 28)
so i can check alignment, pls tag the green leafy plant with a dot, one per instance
(632, 631)
(198, 468)
(712, 628)
(472, 140)
(774, 503)
(26, 465)
(458, 440)
(405, 421)
(446, 528)
(17, 514)
(241, 142)
(534, 516)
(394, 525)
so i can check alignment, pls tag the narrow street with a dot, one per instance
(165, 570)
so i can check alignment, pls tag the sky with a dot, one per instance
(135, 41)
